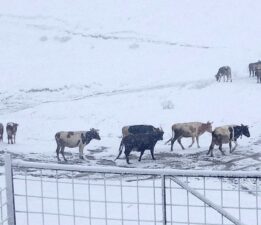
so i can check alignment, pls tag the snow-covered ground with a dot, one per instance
(109, 64)
(106, 64)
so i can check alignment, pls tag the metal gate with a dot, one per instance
(43, 194)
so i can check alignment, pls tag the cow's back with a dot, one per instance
(140, 129)
(222, 134)
(186, 129)
(70, 138)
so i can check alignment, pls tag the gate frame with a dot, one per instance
(162, 173)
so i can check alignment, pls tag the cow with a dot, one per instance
(252, 68)
(227, 134)
(137, 129)
(11, 129)
(192, 129)
(140, 143)
(258, 73)
(72, 139)
(1, 131)
(225, 72)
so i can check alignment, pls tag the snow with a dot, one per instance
(107, 64)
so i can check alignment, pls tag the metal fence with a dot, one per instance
(3, 207)
(44, 194)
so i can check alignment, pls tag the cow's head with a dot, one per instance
(159, 133)
(217, 76)
(245, 130)
(208, 126)
(95, 134)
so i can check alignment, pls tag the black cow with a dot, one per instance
(11, 129)
(140, 143)
(1, 131)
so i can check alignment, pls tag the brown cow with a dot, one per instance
(192, 129)
(11, 129)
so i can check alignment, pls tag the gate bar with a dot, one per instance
(207, 201)
(9, 190)
(124, 170)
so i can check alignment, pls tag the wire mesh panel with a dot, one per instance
(3, 207)
(47, 194)
(239, 197)
(66, 197)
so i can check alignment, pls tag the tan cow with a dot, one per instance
(192, 129)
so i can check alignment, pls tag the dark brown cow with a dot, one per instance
(252, 68)
(11, 129)
(1, 131)
(258, 73)
(225, 72)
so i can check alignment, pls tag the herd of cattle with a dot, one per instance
(225, 72)
(143, 137)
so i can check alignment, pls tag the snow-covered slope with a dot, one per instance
(106, 64)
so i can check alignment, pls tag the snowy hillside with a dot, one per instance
(106, 64)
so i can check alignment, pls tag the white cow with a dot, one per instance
(72, 139)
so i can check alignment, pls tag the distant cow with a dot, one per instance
(252, 68)
(1, 131)
(258, 73)
(192, 129)
(227, 134)
(72, 139)
(225, 72)
(140, 143)
(11, 129)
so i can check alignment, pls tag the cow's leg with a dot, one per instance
(230, 146)
(57, 152)
(197, 138)
(233, 149)
(193, 140)
(14, 138)
(220, 149)
(179, 141)
(81, 152)
(141, 154)
(127, 153)
(210, 150)
(172, 142)
(152, 153)
(62, 151)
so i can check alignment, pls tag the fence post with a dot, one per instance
(163, 193)
(9, 190)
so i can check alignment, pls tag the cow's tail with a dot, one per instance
(120, 149)
(173, 134)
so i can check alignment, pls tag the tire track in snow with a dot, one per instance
(25, 99)
(101, 36)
